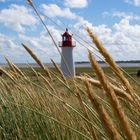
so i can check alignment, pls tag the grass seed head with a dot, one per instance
(29, 2)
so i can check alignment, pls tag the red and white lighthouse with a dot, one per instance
(67, 61)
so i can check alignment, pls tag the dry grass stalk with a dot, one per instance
(113, 99)
(15, 68)
(19, 71)
(90, 127)
(111, 62)
(10, 64)
(29, 2)
(48, 83)
(7, 74)
(4, 85)
(104, 117)
(46, 70)
(118, 91)
(59, 71)
(34, 71)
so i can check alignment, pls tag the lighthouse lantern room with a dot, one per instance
(67, 62)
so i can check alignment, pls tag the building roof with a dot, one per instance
(66, 33)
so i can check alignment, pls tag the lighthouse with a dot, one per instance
(67, 61)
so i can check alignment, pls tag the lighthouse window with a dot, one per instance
(64, 38)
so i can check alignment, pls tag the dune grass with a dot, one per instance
(42, 104)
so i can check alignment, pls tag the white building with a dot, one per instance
(67, 62)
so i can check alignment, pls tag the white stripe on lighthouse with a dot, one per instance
(67, 65)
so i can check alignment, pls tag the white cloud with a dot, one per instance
(121, 40)
(134, 2)
(17, 18)
(52, 10)
(120, 14)
(2, 0)
(10, 49)
(76, 3)
(6, 42)
(42, 45)
(132, 31)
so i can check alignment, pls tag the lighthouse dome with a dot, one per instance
(66, 33)
(66, 40)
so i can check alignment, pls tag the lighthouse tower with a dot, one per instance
(67, 62)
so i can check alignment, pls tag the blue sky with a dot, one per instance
(115, 22)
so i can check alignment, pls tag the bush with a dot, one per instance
(138, 73)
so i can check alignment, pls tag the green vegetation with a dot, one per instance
(35, 107)
(130, 70)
